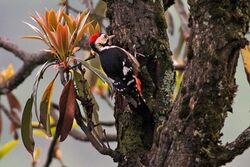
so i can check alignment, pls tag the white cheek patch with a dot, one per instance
(101, 40)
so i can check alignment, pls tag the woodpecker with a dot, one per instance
(120, 66)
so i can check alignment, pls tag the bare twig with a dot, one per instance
(51, 151)
(15, 121)
(106, 138)
(11, 47)
(94, 142)
(105, 98)
(235, 148)
(76, 134)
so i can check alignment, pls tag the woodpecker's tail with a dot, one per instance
(139, 105)
(147, 123)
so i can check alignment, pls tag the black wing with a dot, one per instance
(119, 69)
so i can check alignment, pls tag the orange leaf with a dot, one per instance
(59, 15)
(65, 38)
(97, 28)
(52, 20)
(67, 107)
(52, 38)
(69, 22)
(59, 35)
(46, 19)
(82, 30)
(33, 37)
(13, 102)
(91, 29)
(245, 53)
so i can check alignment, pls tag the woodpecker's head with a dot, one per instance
(98, 40)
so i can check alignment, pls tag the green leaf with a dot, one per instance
(78, 78)
(39, 76)
(100, 8)
(98, 72)
(45, 107)
(6, 148)
(13, 102)
(178, 81)
(96, 121)
(245, 53)
(26, 127)
(67, 107)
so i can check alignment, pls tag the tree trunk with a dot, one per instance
(142, 23)
(192, 127)
(191, 136)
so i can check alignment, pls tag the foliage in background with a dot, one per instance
(62, 33)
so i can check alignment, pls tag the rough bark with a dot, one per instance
(192, 131)
(191, 135)
(141, 23)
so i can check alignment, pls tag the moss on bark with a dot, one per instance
(141, 23)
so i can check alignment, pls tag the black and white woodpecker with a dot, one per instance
(120, 66)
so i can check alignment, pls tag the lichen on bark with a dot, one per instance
(191, 136)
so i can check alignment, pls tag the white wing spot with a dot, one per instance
(125, 70)
(130, 82)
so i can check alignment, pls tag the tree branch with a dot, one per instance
(51, 151)
(235, 148)
(30, 62)
(82, 137)
(11, 47)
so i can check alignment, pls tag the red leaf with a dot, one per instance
(13, 127)
(245, 53)
(67, 107)
(13, 102)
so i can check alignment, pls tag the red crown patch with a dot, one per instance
(93, 37)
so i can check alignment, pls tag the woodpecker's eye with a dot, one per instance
(105, 36)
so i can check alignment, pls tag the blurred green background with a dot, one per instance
(75, 153)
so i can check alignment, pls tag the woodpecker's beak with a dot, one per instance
(111, 36)
(109, 39)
